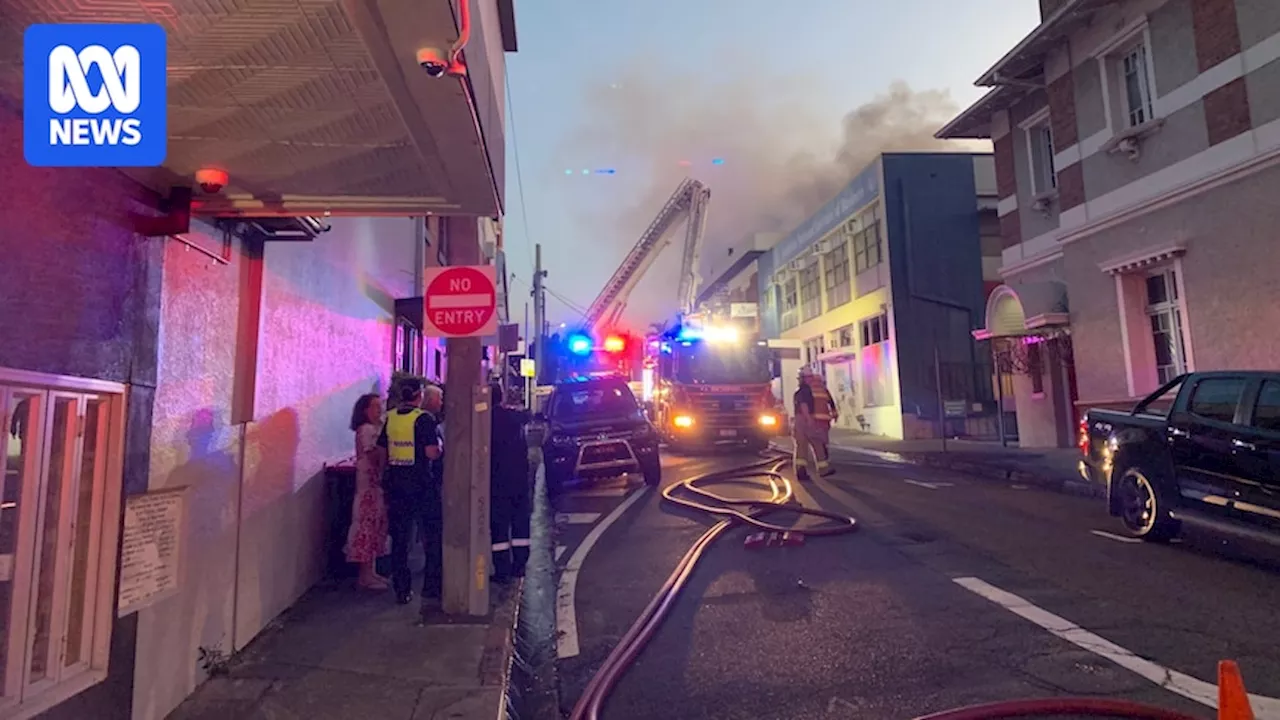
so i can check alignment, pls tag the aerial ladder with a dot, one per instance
(688, 203)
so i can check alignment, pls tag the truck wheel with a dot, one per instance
(652, 472)
(1144, 507)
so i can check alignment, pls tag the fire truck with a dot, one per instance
(709, 386)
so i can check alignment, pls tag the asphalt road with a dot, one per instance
(912, 614)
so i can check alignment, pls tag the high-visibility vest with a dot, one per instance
(400, 437)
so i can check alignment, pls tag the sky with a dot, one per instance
(792, 104)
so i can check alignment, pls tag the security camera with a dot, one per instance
(434, 61)
(211, 180)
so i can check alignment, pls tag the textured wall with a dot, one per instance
(325, 338)
(1229, 276)
(85, 294)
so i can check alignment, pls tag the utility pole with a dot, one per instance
(528, 353)
(539, 314)
(467, 543)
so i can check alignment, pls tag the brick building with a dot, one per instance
(158, 341)
(1137, 149)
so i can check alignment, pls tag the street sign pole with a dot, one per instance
(460, 305)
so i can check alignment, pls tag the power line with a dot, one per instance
(569, 304)
(515, 153)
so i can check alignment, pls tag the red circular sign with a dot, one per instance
(461, 301)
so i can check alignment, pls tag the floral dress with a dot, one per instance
(367, 540)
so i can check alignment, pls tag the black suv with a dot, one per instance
(597, 429)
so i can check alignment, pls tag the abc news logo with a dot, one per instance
(95, 95)
(69, 90)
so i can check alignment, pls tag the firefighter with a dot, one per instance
(824, 413)
(412, 487)
(510, 502)
(800, 429)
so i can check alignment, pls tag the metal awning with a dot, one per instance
(1025, 309)
(314, 106)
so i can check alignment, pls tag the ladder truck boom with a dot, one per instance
(688, 202)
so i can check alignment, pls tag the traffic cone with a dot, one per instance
(1233, 700)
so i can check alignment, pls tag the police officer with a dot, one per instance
(412, 487)
(510, 501)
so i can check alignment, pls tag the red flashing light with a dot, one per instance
(614, 344)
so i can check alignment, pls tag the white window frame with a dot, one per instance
(882, 319)
(841, 292)
(1111, 54)
(22, 699)
(811, 306)
(1173, 309)
(790, 315)
(1132, 307)
(1038, 129)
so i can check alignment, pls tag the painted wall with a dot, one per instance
(87, 291)
(325, 338)
(935, 260)
(1228, 272)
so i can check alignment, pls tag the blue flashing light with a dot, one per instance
(717, 161)
(606, 171)
(689, 333)
(579, 344)
(568, 172)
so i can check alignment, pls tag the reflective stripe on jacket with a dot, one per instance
(822, 403)
(400, 437)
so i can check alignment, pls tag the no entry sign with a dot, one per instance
(460, 301)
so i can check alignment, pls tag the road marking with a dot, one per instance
(576, 518)
(560, 551)
(1018, 487)
(602, 492)
(1113, 536)
(566, 593)
(1266, 708)
(930, 485)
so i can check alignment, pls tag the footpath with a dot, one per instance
(341, 653)
(1051, 468)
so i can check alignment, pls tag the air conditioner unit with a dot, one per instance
(823, 247)
(794, 266)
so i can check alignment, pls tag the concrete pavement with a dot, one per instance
(341, 654)
(911, 615)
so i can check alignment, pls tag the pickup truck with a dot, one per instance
(1204, 449)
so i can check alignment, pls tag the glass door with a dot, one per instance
(23, 430)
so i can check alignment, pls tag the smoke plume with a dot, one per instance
(782, 160)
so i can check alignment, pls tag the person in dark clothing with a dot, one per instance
(510, 501)
(412, 487)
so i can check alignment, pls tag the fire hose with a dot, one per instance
(735, 512)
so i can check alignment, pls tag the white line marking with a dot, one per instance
(1266, 708)
(473, 300)
(566, 593)
(602, 492)
(560, 552)
(1018, 487)
(1113, 536)
(576, 518)
(921, 483)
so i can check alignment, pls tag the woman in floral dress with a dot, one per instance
(367, 539)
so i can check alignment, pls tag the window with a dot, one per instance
(835, 268)
(1165, 314)
(407, 349)
(843, 337)
(1035, 366)
(875, 330)
(1136, 82)
(1216, 399)
(867, 249)
(1044, 178)
(810, 293)
(790, 303)
(58, 535)
(605, 399)
(1266, 412)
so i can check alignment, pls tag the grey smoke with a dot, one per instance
(782, 161)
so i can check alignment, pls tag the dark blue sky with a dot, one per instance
(638, 87)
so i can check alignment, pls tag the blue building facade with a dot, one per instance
(883, 279)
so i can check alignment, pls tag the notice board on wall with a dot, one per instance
(150, 549)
